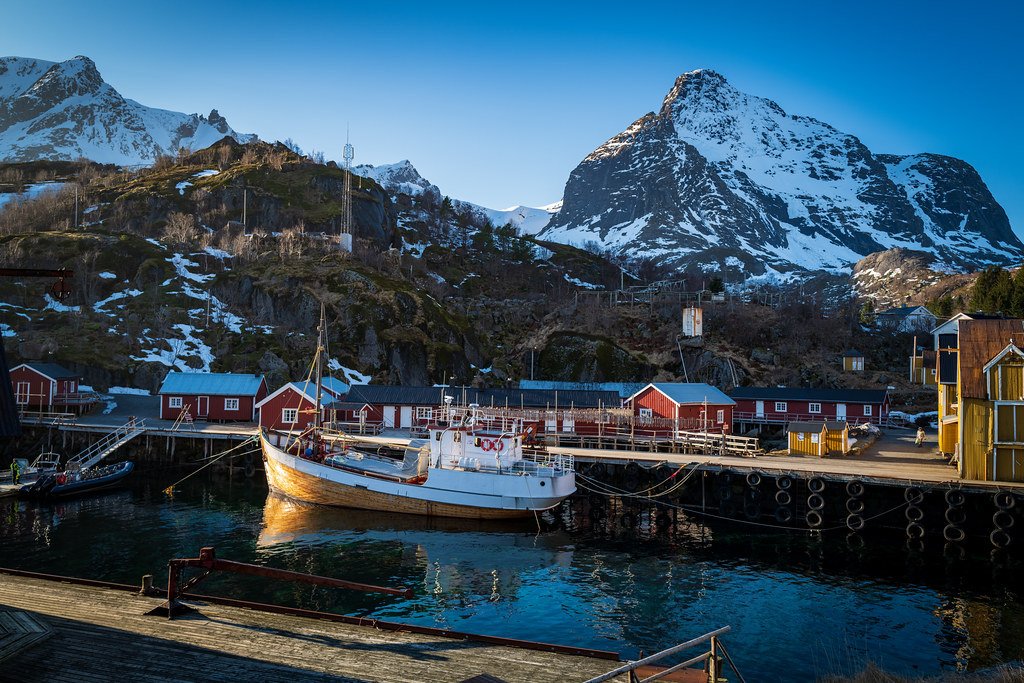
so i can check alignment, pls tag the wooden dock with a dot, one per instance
(102, 634)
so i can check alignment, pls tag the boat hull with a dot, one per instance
(444, 494)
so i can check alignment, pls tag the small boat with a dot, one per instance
(466, 468)
(63, 484)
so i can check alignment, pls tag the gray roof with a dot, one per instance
(379, 394)
(53, 370)
(835, 425)
(693, 392)
(211, 383)
(852, 353)
(805, 394)
(903, 311)
(804, 427)
(624, 389)
(331, 384)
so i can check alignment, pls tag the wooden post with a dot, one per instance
(713, 661)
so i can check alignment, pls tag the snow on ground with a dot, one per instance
(351, 376)
(182, 265)
(414, 249)
(156, 243)
(182, 186)
(127, 294)
(217, 253)
(528, 219)
(54, 305)
(178, 350)
(206, 174)
(580, 283)
(132, 391)
(109, 407)
(106, 275)
(31, 192)
(6, 331)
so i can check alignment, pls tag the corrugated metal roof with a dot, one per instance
(331, 384)
(980, 341)
(624, 389)
(53, 370)
(805, 427)
(379, 394)
(805, 394)
(835, 425)
(852, 353)
(210, 384)
(693, 392)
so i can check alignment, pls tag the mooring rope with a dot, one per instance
(170, 489)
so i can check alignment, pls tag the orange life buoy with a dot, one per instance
(61, 479)
(499, 445)
(486, 444)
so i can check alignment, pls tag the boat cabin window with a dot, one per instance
(437, 436)
(457, 437)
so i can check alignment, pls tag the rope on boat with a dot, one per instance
(170, 489)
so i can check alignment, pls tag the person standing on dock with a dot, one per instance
(15, 471)
(919, 441)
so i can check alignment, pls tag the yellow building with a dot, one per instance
(818, 438)
(922, 367)
(990, 400)
(853, 361)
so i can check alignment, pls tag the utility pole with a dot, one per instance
(76, 205)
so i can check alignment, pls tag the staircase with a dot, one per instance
(107, 445)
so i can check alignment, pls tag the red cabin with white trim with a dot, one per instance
(39, 386)
(219, 396)
(291, 407)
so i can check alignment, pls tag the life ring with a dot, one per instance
(61, 479)
(753, 479)
(816, 502)
(1004, 500)
(913, 495)
(1003, 519)
(999, 538)
(914, 513)
(783, 515)
(953, 534)
(784, 483)
(915, 531)
(816, 485)
(499, 445)
(783, 498)
(956, 515)
(486, 445)
(855, 489)
(955, 498)
(814, 519)
(855, 506)
(854, 522)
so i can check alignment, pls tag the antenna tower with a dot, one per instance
(346, 201)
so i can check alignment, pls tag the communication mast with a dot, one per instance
(345, 238)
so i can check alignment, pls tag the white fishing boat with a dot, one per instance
(466, 468)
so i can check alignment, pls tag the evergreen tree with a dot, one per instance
(867, 313)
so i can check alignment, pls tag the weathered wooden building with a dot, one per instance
(853, 361)
(990, 400)
(49, 387)
(293, 405)
(690, 406)
(782, 405)
(219, 396)
(819, 438)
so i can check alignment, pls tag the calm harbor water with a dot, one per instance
(800, 606)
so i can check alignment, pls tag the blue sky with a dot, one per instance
(497, 104)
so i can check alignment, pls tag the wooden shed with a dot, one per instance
(853, 361)
(807, 438)
(837, 437)
(223, 396)
(689, 405)
(292, 406)
(48, 386)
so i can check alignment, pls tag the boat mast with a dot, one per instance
(321, 346)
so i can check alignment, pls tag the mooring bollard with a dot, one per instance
(147, 585)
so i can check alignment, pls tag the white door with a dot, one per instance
(840, 411)
(21, 393)
(203, 409)
(551, 421)
(406, 415)
(759, 409)
(389, 416)
(568, 422)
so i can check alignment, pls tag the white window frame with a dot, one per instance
(646, 413)
(174, 402)
(814, 408)
(287, 413)
(720, 417)
(867, 410)
(424, 412)
(231, 404)
(781, 406)
(815, 438)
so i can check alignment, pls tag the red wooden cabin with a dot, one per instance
(291, 407)
(225, 397)
(50, 387)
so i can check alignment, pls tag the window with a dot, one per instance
(646, 413)
(174, 401)
(867, 410)
(780, 407)
(814, 438)
(799, 437)
(814, 407)
(290, 415)
(424, 412)
(231, 404)
(721, 416)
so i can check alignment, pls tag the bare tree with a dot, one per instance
(181, 228)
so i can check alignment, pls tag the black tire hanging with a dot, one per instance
(956, 516)
(914, 513)
(953, 534)
(814, 519)
(784, 483)
(816, 502)
(1003, 519)
(783, 498)
(915, 531)
(854, 506)
(783, 515)
(955, 498)
(999, 538)
(913, 495)
(855, 489)
(816, 485)
(854, 522)
(1004, 500)
(753, 480)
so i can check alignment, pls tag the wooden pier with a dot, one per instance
(102, 634)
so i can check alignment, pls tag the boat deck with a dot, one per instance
(101, 634)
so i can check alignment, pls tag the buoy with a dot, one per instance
(855, 506)
(816, 485)
(953, 534)
(855, 488)
(783, 497)
(854, 522)
(815, 501)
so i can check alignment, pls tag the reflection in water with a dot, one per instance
(800, 606)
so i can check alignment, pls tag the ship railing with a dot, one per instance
(714, 660)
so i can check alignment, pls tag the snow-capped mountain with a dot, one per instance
(724, 181)
(65, 110)
(403, 178)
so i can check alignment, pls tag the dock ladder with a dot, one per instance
(107, 445)
(712, 659)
